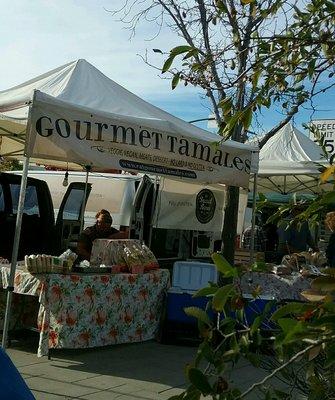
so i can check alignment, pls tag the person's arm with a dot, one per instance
(83, 246)
(82, 251)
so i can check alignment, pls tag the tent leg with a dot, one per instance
(253, 223)
(15, 252)
(88, 169)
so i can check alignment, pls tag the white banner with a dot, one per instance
(63, 132)
(189, 207)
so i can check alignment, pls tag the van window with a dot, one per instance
(2, 199)
(73, 205)
(30, 202)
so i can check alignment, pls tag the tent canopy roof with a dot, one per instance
(81, 84)
(78, 87)
(290, 162)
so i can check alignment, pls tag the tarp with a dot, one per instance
(290, 162)
(79, 116)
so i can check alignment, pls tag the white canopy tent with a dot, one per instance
(81, 117)
(75, 116)
(290, 162)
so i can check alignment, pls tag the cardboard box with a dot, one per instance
(242, 257)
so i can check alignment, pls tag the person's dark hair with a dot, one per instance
(105, 215)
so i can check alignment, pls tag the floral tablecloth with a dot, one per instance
(24, 309)
(89, 310)
(284, 287)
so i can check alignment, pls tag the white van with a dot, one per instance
(113, 192)
(176, 219)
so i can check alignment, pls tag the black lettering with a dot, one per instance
(65, 124)
(124, 131)
(237, 161)
(247, 166)
(157, 136)
(101, 126)
(217, 159)
(144, 134)
(40, 130)
(172, 142)
(226, 159)
(78, 126)
(88, 130)
(183, 150)
(202, 151)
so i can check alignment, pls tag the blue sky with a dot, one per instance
(37, 36)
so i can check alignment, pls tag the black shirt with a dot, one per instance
(91, 233)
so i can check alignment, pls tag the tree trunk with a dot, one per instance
(230, 223)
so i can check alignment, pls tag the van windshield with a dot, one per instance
(30, 201)
(73, 205)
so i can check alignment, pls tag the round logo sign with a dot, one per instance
(205, 206)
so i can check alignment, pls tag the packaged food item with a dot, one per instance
(48, 263)
(33, 264)
(57, 265)
(149, 259)
(39, 266)
(68, 258)
(117, 255)
(84, 264)
(132, 257)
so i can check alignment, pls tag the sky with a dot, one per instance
(37, 36)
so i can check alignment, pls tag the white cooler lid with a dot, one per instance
(193, 275)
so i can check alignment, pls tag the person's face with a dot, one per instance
(102, 224)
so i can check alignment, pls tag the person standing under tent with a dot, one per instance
(259, 237)
(102, 229)
(295, 239)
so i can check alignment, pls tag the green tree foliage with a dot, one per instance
(301, 342)
(247, 56)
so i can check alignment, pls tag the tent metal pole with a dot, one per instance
(153, 206)
(88, 169)
(10, 287)
(253, 220)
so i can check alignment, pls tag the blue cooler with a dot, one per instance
(187, 278)
(255, 307)
(190, 276)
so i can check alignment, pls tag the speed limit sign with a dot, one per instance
(326, 127)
